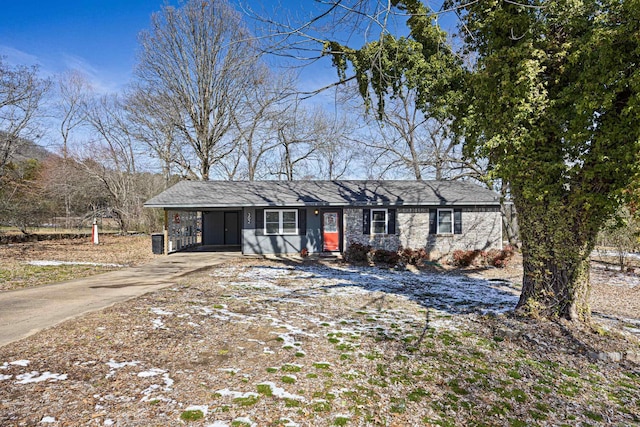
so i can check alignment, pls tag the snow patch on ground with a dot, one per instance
(151, 373)
(158, 323)
(161, 312)
(119, 365)
(29, 377)
(281, 393)
(37, 377)
(446, 292)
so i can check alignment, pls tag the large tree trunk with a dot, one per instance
(555, 257)
(554, 288)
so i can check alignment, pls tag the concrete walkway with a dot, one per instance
(26, 311)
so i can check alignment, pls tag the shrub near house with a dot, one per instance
(357, 253)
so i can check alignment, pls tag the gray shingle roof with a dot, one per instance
(226, 194)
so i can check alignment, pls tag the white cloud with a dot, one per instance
(18, 57)
(99, 82)
(74, 62)
(99, 79)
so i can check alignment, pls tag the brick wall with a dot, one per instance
(481, 229)
(352, 221)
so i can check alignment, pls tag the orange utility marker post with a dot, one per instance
(94, 233)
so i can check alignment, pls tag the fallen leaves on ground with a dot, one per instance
(268, 343)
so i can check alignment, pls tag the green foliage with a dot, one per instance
(322, 365)
(288, 379)
(192, 415)
(265, 389)
(554, 110)
(423, 61)
(550, 101)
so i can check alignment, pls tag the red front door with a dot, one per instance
(330, 231)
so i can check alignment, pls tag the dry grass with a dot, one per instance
(16, 273)
(346, 354)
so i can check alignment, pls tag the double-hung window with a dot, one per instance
(445, 221)
(281, 221)
(379, 221)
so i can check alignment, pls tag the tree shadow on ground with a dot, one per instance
(451, 292)
(442, 294)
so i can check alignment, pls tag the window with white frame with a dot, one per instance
(379, 221)
(445, 221)
(281, 221)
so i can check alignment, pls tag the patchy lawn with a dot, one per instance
(49, 261)
(270, 343)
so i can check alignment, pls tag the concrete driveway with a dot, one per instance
(26, 311)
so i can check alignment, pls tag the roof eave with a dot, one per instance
(317, 204)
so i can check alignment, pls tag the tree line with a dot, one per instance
(203, 103)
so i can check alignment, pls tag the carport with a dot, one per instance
(200, 219)
(209, 228)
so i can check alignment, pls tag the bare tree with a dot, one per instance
(201, 58)
(21, 94)
(336, 151)
(154, 123)
(73, 92)
(403, 141)
(297, 132)
(265, 99)
(112, 159)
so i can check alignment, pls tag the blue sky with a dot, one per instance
(97, 37)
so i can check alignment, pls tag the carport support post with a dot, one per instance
(166, 232)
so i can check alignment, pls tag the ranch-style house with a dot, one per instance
(285, 217)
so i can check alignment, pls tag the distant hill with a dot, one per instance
(27, 149)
